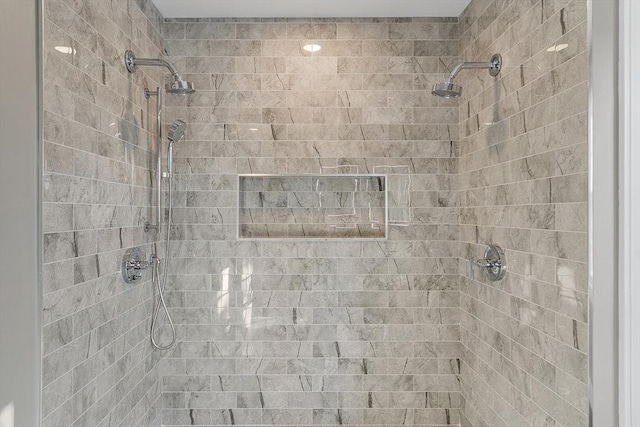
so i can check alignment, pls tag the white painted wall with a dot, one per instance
(629, 298)
(19, 214)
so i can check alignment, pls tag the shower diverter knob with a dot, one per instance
(133, 265)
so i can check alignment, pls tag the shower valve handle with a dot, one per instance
(138, 265)
(494, 263)
(133, 265)
(486, 263)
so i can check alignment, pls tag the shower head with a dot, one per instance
(448, 89)
(176, 131)
(177, 87)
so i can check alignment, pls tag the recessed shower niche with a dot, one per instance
(312, 206)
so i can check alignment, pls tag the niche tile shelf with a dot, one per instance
(349, 206)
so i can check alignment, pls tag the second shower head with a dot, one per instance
(448, 89)
(179, 87)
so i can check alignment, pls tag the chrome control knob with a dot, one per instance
(494, 263)
(133, 265)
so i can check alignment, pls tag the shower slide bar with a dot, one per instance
(147, 225)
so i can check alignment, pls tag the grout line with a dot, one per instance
(528, 374)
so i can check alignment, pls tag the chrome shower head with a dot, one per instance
(448, 89)
(179, 87)
(176, 131)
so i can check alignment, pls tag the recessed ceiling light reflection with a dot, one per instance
(65, 49)
(558, 47)
(312, 47)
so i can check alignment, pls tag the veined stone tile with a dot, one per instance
(274, 332)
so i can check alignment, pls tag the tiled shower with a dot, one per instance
(371, 313)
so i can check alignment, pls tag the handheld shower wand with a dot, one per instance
(175, 134)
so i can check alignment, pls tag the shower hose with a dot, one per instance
(160, 283)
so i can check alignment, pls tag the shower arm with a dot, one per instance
(469, 65)
(494, 66)
(132, 62)
(159, 62)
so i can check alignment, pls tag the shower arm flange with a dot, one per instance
(494, 67)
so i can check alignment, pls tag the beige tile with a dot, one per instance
(261, 31)
(311, 31)
(209, 30)
(363, 31)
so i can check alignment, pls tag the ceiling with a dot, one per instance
(309, 8)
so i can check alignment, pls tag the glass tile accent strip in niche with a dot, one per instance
(312, 206)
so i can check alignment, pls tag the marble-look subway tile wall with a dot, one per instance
(523, 185)
(98, 366)
(314, 332)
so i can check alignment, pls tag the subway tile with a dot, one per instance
(335, 332)
(207, 30)
(307, 31)
(261, 31)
